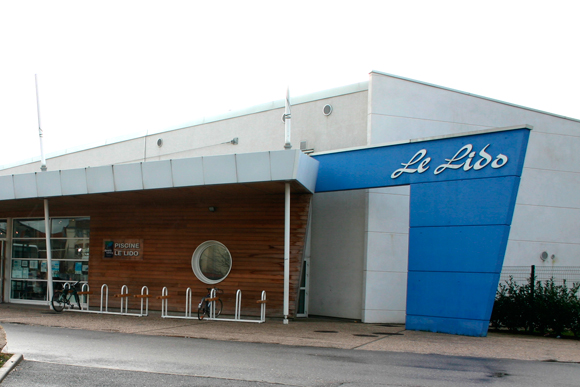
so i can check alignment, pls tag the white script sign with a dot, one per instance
(462, 159)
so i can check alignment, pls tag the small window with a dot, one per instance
(211, 262)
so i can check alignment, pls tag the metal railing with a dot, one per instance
(521, 274)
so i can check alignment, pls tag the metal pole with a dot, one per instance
(42, 159)
(49, 287)
(287, 119)
(532, 295)
(286, 251)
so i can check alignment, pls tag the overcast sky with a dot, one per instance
(109, 68)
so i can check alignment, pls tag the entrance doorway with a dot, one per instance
(302, 310)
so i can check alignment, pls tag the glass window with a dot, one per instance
(29, 248)
(29, 228)
(28, 290)
(70, 228)
(3, 228)
(70, 248)
(211, 262)
(69, 239)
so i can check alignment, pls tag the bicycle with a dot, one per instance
(206, 303)
(60, 299)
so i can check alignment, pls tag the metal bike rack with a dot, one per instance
(105, 287)
(188, 300)
(164, 296)
(165, 301)
(124, 295)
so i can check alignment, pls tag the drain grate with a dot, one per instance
(326, 331)
(364, 335)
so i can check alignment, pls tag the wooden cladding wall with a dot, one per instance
(252, 228)
(172, 224)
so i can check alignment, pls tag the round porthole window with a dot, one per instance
(327, 110)
(211, 262)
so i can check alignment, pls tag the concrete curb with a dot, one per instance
(9, 365)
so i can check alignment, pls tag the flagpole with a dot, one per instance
(287, 119)
(42, 159)
(47, 228)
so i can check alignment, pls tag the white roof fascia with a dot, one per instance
(284, 165)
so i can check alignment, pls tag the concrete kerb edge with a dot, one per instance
(9, 365)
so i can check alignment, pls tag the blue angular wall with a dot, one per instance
(463, 194)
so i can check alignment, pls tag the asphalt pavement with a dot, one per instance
(63, 357)
(309, 332)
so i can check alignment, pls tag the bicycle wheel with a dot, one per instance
(57, 302)
(218, 305)
(202, 310)
(78, 299)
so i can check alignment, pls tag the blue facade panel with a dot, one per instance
(464, 202)
(463, 194)
(458, 158)
(453, 326)
(451, 295)
(475, 249)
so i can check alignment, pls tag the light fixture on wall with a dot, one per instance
(212, 209)
(160, 143)
(544, 256)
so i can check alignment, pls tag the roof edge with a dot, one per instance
(278, 104)
(474, 95)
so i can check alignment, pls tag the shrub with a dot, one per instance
(536, 306)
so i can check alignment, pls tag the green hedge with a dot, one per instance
(537, 307)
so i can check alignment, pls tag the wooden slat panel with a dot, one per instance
(172, 223)
(251, 227)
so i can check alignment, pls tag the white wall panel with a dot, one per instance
(387, 252)
(553, 152)
(387, 255)
(546, 224)
(388, 213)
(337, 254)
(389, 297)
(524, 253)
(549, 188)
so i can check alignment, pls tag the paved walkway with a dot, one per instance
(317, 332)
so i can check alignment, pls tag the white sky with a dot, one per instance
(108, 68)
